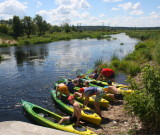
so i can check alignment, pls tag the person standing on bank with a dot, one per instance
(107, 73)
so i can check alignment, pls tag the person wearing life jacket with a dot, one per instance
(62, 89)
(90, 91)
(107, 73)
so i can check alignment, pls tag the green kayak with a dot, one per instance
(49, 119)
(87, 114)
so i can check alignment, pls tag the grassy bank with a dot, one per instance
(144, 102)
(57, 36)
(143, 68)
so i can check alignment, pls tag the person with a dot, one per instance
(75, 118)
(78, 82)
(70, 86)
(107, 73)
(94, 75)
(115, 94)
(90, 91)
(62, 89)
(80, 94)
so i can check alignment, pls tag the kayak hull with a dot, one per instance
(49, 119)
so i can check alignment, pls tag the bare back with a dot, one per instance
(77, 109)
(113, 90)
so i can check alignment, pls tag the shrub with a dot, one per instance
(145, 102)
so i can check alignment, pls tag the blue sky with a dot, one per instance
(132, 13)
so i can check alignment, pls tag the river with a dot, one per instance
(29, 71)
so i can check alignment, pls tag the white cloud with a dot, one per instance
(158, 6)
(10, 8)
(74, 3)
(102, 15)
(154, 15)
(130, 6)
(111, 0)
(136, 12)
(134, 9)
(124, 21)
(115, 8)
(67, 11)
(38, 4)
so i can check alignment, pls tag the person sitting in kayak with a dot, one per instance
(115, 94)
(70, 86)
(78, 82)
(75, 118)
(107, 73)
(62, 89)
(94, 75)
(90, 91)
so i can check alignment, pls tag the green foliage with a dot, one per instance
(4, 29)
(98, 62)
(145, 102)
(129, 67)
(28, 25)
(66, 28)
(55, 28)
(17, 26)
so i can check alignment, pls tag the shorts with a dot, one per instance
(99, 95)
(73, 119)
(118, 96)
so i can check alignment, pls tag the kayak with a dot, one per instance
(101, 83)
(49, 119)
(87, 114)
(102, 103)
(122, 88)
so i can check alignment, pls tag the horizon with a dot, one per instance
(113, 13)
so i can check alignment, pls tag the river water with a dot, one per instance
(29, 71)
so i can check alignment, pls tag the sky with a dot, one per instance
(127, 13)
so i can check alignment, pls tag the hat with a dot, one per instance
(70, 97)
(81, 90)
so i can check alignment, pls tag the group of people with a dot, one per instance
(86, 91)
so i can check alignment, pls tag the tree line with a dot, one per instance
(17, 27)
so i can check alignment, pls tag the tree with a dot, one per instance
(39, 22)
(17, 26)
(28, 25)
(66, 27)
(4, 29)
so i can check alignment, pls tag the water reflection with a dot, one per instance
(23, 56)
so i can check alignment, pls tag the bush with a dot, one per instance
(145, 102)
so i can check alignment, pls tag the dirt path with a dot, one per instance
(116, 121)
(7, 41)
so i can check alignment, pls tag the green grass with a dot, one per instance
(57, 36)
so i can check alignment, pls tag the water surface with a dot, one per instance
(29, 71)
